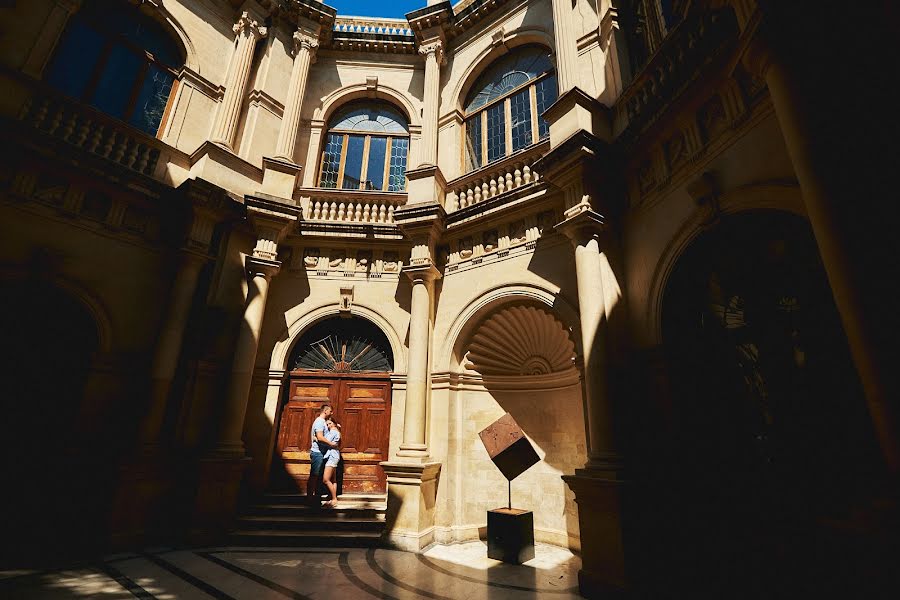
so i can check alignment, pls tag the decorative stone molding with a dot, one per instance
(249, 25)
(521, 340)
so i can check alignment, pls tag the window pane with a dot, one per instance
(546, 95)
(496, 132)
(117, 81)
(75, 59)
(473, 142)
(514, 69)
(397, 174)
(377, 118)
(331, 160)
(520, 105)
(152, 99)
(375, 168)
(353, 163)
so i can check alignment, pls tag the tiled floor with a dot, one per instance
(443, 573)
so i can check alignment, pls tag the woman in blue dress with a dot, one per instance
(332, 458)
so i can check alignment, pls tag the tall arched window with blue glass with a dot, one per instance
(503, 108)
(366, 149)
(119, 60)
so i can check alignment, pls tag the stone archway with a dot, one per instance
(347, 363)
(767, 435)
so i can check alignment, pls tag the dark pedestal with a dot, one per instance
(510, 533)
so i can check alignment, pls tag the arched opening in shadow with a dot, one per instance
(768, 443)
(344, 362)
(49, 340)
(519, 358)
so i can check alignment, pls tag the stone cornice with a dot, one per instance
(578, 146)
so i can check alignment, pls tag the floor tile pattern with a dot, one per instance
(459, 572)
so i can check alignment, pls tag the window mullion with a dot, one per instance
(364, 170)
(507, 116)
(532, 95)
(340, 177)
(484, 138)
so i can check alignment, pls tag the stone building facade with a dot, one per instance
(217, 214)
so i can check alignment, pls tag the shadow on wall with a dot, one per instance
(56, 483)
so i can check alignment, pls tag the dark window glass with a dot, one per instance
(353, 165)
(375, 167)
(514, 69)
(397, 176)
(76, 56)
(520, 110)
(331, 161)
(546, 95)
(496, 132)
(119, 60)
(113, 92)
(152, 99)
(473, 142)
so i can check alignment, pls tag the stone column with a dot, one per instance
(827, 204)
(564, 39)
(271, 221)
(414, 443)
(168, 348)
(260, 272)
(48, 37)
(434, 58)
(305, 45)
(249, 30)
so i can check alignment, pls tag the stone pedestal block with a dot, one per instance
(599, 496)
(510, 533)
(145, 482)
(412, 492)
(215, 502)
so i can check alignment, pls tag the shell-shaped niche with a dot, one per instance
(520, 340)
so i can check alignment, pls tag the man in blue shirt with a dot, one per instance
(320, 445)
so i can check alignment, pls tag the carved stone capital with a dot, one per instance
(251, 26)
(435, 48)
(303, 40)
(262, 267)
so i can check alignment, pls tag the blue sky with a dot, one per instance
(375, 8)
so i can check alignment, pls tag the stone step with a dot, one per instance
(344, 499)
(317, 538)
(311, 522)
(295, 509)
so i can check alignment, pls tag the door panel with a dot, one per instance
(305, 399)
(362, 405)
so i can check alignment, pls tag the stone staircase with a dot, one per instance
(284, 520)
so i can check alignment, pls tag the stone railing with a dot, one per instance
(369, 25)
(511, 173)
(99, 134)
(683, 54)
(350, 206)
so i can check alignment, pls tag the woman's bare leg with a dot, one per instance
(330, 484)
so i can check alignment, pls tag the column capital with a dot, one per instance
(250, 24)
(435, 48)
(305, 40)
(582, 223)
(262, 267)
(421, 270)
(272, 220)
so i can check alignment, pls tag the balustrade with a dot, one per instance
(96, 133)
(377, 26)
(341, 206)
(487, 183)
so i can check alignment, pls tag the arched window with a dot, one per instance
(504, 106)
(342, 345)
(120, 61)
(366, 149)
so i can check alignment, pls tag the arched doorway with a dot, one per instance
(344, 362)
(49, 340)
(769, 439)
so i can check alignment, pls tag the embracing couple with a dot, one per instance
(324, 455)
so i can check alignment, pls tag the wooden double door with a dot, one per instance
(362, 405)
